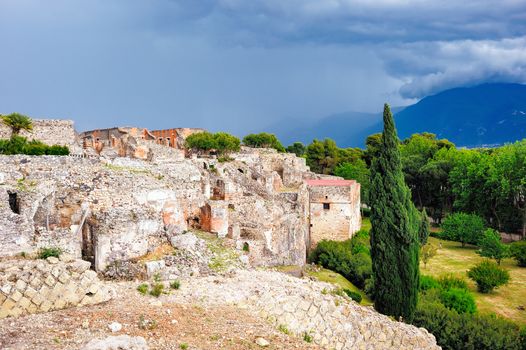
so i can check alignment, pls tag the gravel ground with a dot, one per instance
(190, 321)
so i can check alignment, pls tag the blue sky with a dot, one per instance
(242, 65)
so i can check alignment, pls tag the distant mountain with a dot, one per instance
(347, 128)
(484, 115)
(488, 114)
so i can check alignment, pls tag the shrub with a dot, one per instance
(518, 252)
(488, 276)
(460, 300)
(307, 337)
(428, 282)
(157, 289)
(19, 145)
(183, 346)
(361, 242)
(467, 331)
(45, 253)
(462, 227)
(449, 280)
(175, 284)
(263, 140)
(427, 251)
(491, 246)
(142, 288)
(353, 295)
(57, 150)
(337, 256)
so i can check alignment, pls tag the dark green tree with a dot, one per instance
(394, 232)
(263, 140)
(491, 246)
(297, 148)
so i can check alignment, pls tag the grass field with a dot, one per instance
(504, 301)
(335, 278)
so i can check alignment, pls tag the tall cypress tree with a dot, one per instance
(394, 234)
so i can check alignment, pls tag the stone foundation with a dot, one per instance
(32, 286)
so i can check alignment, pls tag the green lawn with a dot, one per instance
(366, 224)
(335, 278)
(504, 301)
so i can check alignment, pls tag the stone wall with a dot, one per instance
(334, 209)
(304, 306)
(32, 286)
(49, 131)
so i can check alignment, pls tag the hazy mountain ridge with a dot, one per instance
(488, 114)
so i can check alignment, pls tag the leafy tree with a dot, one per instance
(394, 232)
(518, 252)
(221, 142)
(297, 148)
(226, 143)
(263, 140)
(491, 246)
(322, 156)
(427, 251)
(462, 227)
(358, 171)
(488, 276)
(17, 122)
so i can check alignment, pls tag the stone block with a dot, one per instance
(37, 299)
(80, 266)
(24, 302)
(52, 260)
(154, 266)
(20, 285)
(46, 306)
(50, 281)
(16, 296)
(64, 277)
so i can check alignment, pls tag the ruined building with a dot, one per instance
(134, 193)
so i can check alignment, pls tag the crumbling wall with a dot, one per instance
(49, 131)
(32, 286)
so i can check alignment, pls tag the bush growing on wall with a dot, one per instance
(19, 145)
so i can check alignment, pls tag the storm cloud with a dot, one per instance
(242, 65)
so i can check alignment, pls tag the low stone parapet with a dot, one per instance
(32, 286)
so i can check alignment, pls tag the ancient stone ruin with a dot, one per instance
(125, 193)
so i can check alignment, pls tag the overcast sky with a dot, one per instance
(239, 65)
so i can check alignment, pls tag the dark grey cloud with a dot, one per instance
(242, 65)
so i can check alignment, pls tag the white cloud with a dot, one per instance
(435, 66)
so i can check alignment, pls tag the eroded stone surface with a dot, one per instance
(32, 286)
(300, 306)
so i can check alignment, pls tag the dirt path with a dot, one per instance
(197, 325)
